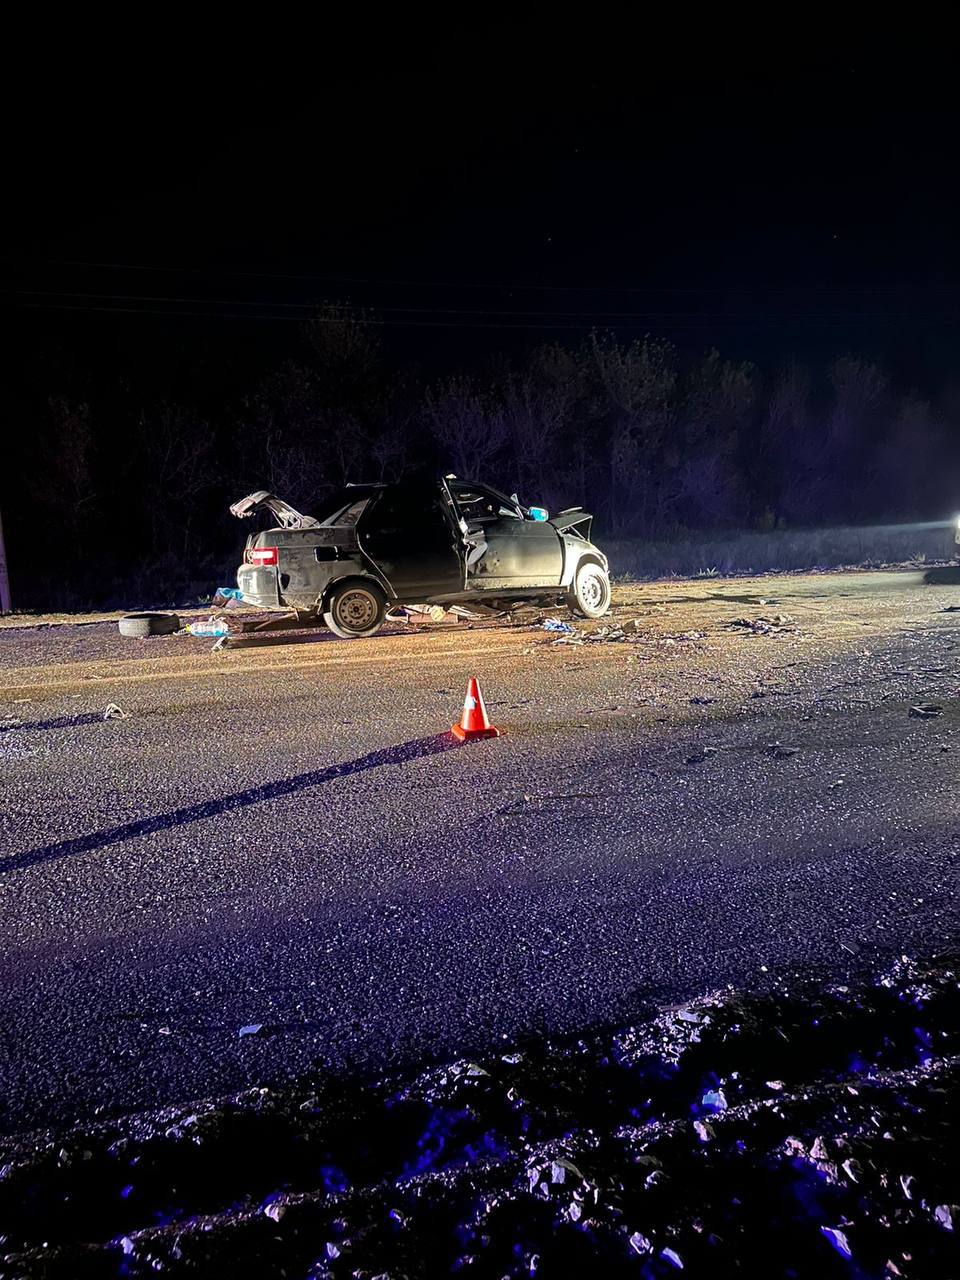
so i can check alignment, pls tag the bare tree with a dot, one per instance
(716, 415)
(913, 462)
(632, 390)
(61, 476)
(792, 450)
(177, 449)
(540, 401)
(469, 425)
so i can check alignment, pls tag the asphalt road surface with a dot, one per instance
(281, 835)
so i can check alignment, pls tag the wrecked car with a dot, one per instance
(446, 542)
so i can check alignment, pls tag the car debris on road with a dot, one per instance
(764, 625)
(138, 626)
(207, 628)
(926, 711)
(629, 632)
(228, 598)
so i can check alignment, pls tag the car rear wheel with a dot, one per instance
(355, 609)
(589, 597)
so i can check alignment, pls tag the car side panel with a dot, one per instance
(574, 551)
(520, 553)
(311, 560)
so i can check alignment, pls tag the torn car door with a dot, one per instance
(409, 536)
(515, 551)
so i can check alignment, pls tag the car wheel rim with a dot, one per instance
(592, 591)
(357, 610)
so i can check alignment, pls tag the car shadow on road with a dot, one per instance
(270, 639)
(416, 749)
(946, 575)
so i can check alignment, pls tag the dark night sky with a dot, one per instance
(763, 201)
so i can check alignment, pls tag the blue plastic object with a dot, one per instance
(539, 513)
(212, 627)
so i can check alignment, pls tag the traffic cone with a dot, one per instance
(474, 723)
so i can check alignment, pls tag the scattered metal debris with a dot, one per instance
(629, 633)
(763, 626)
(926, 710)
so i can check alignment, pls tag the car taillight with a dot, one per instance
(264, 555)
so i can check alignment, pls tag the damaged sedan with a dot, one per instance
(445, 542)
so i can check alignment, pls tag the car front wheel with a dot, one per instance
(589, 597)
(355, 609)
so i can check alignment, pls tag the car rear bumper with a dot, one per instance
(260, 586)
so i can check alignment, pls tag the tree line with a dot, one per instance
(111, 500)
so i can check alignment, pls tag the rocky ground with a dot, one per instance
(811, 1131)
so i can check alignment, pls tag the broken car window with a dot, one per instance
(408, 511)
(477, 503)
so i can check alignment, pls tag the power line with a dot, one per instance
(415, 284)
(298, 319)
(459, 311)
(667, 321)
(487, 284)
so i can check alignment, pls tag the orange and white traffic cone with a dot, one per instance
(474, 723)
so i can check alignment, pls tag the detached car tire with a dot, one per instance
(355, 609)
(589, 597)
(137, 626)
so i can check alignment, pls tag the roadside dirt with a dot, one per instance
(824, 614)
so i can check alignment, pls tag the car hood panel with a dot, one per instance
(574, 518)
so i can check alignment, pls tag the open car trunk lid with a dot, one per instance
(574, 519)
(287, 517)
